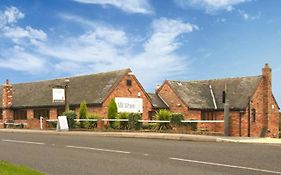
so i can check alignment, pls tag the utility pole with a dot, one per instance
(226, 112)
(66, 94)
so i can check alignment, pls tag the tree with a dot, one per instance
(112, 111)
(83, 113)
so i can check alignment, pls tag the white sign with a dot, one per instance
(62, 124)
(131, 105)
(58, 95)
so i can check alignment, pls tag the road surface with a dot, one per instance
(79, 155)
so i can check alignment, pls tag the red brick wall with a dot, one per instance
(30, 114)
(257, 102)
(175, 104)
(53, 113)
(122, 90)
(7, 97)
(267, 114)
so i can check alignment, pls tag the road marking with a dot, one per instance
(98, 149)
(20, 141)
(225, 165)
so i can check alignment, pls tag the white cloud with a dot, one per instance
(165, 32)
(100, 48)
(17, 34)
(9, 16)
(20, 60)
(247, 17)
(210, 6)
(106, 48)
(129, 6)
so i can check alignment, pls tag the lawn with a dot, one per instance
(10, 169)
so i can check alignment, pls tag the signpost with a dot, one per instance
(130, 105)
(62, 124)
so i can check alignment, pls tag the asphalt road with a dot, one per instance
(78, 155)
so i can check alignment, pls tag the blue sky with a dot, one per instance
(158, 40)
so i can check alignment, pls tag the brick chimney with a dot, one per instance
(7, 97)
(267, 93)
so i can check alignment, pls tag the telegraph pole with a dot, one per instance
(66, 94)
(226, 112)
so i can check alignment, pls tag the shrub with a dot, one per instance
(149, 126)
(176, 119)
(163, 115)
(91, 124)
(120, 124)
(133, 121)
(112, 111)
(70, 115)
(83, 113)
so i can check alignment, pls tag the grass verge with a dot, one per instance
(10, 169)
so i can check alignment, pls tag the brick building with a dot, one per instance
(253, 108)
(26, 102)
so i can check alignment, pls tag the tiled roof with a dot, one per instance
(197, 94)
(157, 102)
(92, 88)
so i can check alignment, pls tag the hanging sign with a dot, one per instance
(130, 105)
(58, 95)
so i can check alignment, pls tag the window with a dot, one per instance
(129, 82)
(20, 114)
(41, 113)
(1, 114)
(207, 115)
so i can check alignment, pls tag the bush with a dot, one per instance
(176, 119)
(91, 124)
(163, 115)
(149, 126)
(70, 115)
(133, 121)
(122, 125)
(112, 112)
(83, 113)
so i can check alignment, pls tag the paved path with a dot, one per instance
(89, 154)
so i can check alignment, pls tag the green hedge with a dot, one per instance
(176, 119)
(122, 125)
(91, 124)
(133, 123)
(71, 115)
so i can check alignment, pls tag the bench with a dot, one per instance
(12, 124)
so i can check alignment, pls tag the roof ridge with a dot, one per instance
(75, 76)
(195, 81)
